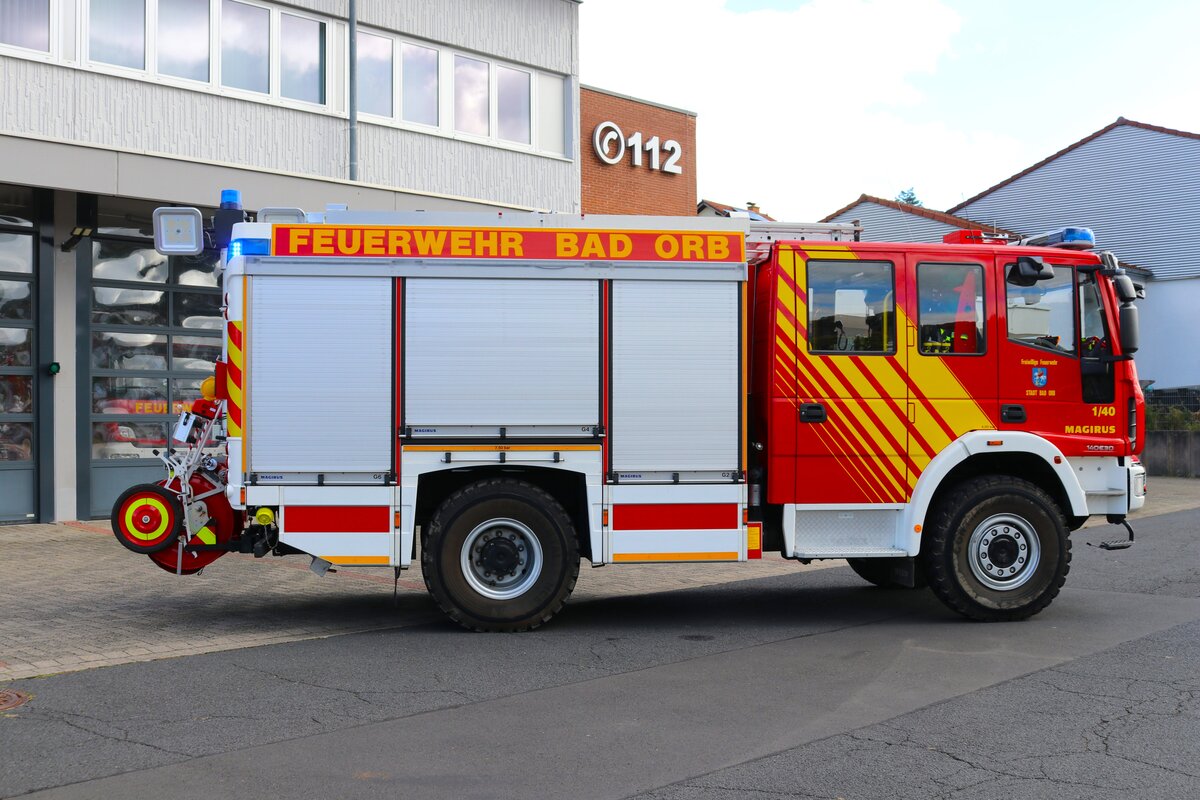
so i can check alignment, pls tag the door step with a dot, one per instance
(846, 533)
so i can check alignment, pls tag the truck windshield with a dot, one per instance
(1043, 315)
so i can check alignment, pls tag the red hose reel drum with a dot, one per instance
(148, 519)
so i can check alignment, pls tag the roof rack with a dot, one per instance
(764, 234)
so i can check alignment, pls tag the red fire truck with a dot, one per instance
(516, 392)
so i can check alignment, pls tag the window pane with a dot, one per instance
(513, 97)
(197, 310)
(111, 350)
(198, 270)
(183, 38)
(420, 88)
(117, 306)
(851, 307)
(302, 43)
(550, 114)
(127, 439)
(129, 395)
(127, 261)
(1092, 327)
(16, 347)
(16, 252)
(16, 205)
(117, 32)
(1043, 315)
(16, 394)
(186, 391)
(951, 308)
(26, 23)
(195, 352)
(471, 96)
(16, 301)
(245, 46)
(16, 441)
(374, 74)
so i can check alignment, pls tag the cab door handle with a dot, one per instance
(812, 412)
(1013, 413)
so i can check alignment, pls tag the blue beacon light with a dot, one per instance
(231, 198)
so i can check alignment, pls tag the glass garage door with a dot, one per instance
(18, 428)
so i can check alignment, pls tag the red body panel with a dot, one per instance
(675, 516)
(337, 519)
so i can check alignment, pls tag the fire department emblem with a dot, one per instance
(1040, 377)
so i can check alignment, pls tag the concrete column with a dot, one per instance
(66, 426)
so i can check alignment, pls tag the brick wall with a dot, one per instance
(623, 188)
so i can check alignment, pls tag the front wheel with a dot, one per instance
(996, 549)
(500, 555)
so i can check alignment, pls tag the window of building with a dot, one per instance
(302, 58)
(117, 33)
(183, 39)
(419, 95)
(374, 74)
(513, 104)
(245, 46)
(950, 310)
(851, 307)
(472, 102)
(25, 23)
(1043, 315)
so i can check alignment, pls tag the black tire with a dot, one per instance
(879, 572)
(487, 514)
(1020, 557)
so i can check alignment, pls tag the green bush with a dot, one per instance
(1171, 418)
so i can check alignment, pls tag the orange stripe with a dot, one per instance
(675, 556)
(358, 560)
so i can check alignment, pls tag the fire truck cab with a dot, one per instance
(503, 395)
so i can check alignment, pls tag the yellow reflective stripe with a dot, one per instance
(164, 517)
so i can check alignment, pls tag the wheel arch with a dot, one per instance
(568, 487)
(1017, 454)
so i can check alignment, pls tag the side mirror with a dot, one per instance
(1029, 270)
(1128, 315)
(1126, 291)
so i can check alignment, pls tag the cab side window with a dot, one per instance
(851, 307)
(1043, 314)
(950, 309)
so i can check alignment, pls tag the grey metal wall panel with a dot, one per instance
(1138, 189)
(883, 224)
(675, 376)
(486, 352)
(54, 102)
(320, 374)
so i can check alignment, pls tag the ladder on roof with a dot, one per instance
(762, 235)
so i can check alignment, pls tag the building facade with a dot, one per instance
(891, 221)
(110, 108)
(637, 157)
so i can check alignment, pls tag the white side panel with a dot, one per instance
(320, 375)
(675, 376)
(492, 353)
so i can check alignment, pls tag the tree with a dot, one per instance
(909, 198)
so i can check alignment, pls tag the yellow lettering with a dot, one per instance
(487, 243)
(592, 248)
(373, 242)
(718, 248)
(322, 244)
(460, 243)
(667, 246)
(566, 245)
(693, 247)
(430, 243)
(349, 240)
(512, 244)
(620, 245)
(398, 243)
(297, 238)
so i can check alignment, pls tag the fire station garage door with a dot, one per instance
(485, 354)
(675, 379)
(320, 375)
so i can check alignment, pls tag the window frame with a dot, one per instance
(983, 297)
(895, 345)
(53, 51)
(1074, 352)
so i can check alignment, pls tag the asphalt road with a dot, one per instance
(813, 685)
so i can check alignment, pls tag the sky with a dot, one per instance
(803, 105)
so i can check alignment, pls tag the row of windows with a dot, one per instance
(852, 309)
(259, 49)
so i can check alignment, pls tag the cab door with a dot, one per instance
(852, 436)
(952, 347)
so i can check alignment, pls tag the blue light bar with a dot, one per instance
(249, 247)
(1070, 238)
(231, 198)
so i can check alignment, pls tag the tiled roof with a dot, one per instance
(937, 216)
(725, 210)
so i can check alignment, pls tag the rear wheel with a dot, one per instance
(997, 549)
(500, 555)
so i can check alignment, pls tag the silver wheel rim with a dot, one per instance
(1004, 552)
(503, 543)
